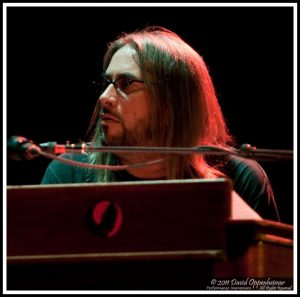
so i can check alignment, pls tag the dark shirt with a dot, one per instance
(249, 180)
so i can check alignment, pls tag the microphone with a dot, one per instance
(20, 148)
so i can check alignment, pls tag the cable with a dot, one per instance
(93, 166)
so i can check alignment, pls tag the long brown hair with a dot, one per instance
(184, 108)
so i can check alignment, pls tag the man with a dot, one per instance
(155, 90)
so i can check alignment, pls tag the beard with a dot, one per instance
(138, 135)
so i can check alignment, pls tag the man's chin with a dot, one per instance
(114, 140)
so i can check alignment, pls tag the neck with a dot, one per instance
(153, 171)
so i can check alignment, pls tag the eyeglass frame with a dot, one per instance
(115, 84)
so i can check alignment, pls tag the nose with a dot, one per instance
(108, 98)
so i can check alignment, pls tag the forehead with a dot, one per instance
(124, 61)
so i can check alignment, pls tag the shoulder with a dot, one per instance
(252, 184)
(59, 172)
(244, 170)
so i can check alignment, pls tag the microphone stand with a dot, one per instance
(245, 151)
(20, 148)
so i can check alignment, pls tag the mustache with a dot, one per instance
(104, 110)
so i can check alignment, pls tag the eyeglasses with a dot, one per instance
(121, 84)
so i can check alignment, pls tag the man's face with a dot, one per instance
(125, 111)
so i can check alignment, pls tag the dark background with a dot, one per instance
(53, 54)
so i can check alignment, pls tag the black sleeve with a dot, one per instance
(252, 184)
(61, 173)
